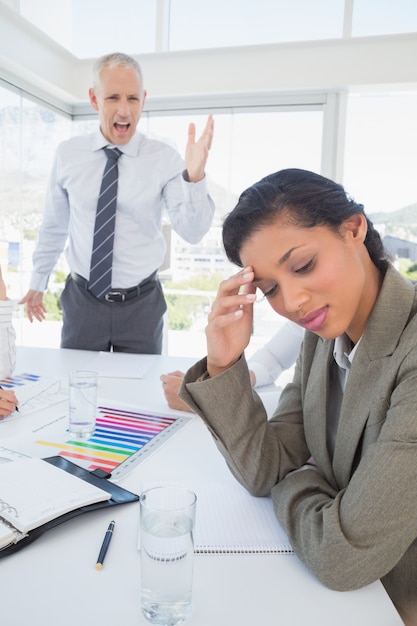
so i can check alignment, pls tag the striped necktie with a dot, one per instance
(101, 259)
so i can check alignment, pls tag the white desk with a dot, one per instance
(54, 581)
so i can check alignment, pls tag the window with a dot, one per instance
(90, 29)
(380, 154)
(29, 134)
(218, 23)
(87, 29)
(373, 17)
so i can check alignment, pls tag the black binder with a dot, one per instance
(98, 478)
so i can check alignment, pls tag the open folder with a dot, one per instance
(39, 494)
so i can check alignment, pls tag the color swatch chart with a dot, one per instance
(121, 440)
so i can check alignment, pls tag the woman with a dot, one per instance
(8, 400)
(349, 418)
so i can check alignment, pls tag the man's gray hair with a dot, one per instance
(115, 59)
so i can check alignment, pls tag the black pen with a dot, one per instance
(15, 408)
(105, 545)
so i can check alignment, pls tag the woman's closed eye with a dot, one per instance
(270, 292)
(306, 268)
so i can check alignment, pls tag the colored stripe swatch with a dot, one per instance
(18, 380)
(119, 434)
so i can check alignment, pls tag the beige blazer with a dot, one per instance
(353, 518)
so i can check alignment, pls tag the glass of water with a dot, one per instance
(82, 403)
(167, 518)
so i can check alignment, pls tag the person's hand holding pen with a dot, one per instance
(8, 402)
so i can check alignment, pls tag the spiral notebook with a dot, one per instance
(231, 521)
(34, 492)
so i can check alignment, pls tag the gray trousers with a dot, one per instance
(132, 326)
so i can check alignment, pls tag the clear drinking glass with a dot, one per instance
(167, 518)
(82, 403)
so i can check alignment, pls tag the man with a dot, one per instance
(127, 315)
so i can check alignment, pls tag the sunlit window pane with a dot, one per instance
(374, 17)
(381, 157)
(217, 23)
(269, 141)
(96, 27)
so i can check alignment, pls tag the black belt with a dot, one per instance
(121, 295)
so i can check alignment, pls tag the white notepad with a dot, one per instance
(231, 521)
(34, 492)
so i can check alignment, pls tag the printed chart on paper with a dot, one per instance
(122, 439)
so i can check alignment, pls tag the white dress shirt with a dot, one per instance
(7, 338)
(343, 354)
(277, 355)
(150, 180)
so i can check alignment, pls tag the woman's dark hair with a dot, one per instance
(301, 198)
